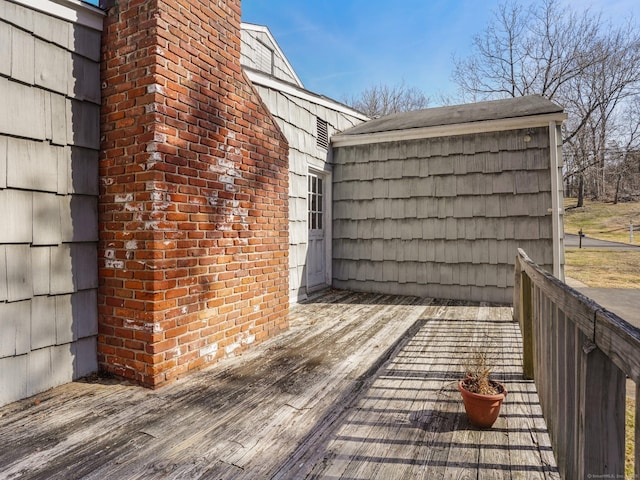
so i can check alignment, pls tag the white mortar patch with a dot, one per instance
(117, 264)
(229, 349)
(209, 350)
(126, 197)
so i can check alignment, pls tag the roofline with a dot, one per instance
(264, 29)
(485, 126)
(260, 78)
(71, 10)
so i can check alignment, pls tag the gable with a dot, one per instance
(261, 52)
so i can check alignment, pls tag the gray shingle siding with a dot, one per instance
(441, 217)
(296, 117)
(49, 144)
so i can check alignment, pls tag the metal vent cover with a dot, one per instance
(322, 133)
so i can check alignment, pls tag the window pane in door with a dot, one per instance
(315, 202)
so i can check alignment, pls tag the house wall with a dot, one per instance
(296, 117)
(194, 195)
(442, 217)
(49, 139)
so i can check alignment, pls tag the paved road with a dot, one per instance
(571, 240)
(624, 302)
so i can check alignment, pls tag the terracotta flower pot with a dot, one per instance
(482, 410)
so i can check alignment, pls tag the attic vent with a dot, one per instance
(264, 57)
(323, 133)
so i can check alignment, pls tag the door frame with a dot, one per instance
(328, 224)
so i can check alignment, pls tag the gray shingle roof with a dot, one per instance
(451, 115)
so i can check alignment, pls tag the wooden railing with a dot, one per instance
(580, 356)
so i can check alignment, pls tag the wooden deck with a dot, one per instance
(362, 386)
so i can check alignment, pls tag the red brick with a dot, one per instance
(188, 281)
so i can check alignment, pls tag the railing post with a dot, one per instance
(516, 290)
(526, 326)
(601, 416)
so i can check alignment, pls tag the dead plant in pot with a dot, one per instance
(481, 395)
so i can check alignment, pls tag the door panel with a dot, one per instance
(316, 257)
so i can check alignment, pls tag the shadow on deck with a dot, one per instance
(362, 386)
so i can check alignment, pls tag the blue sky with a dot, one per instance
(340, 47)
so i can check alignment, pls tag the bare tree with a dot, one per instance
(379, 100)
(625, 152)
(575, 59)
(496, 66)
(524, 51)
(597, 98)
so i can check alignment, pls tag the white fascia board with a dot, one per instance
(71, 10)
(499, 125)
(268, 81)
(266, 31)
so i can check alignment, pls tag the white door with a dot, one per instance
(316, 256)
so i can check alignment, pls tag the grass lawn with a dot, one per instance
(603, 220)
(630, 426)
(603, 268)
(606, 221)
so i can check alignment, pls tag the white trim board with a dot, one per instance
(71, 10)
(264, 80)
(485, 126)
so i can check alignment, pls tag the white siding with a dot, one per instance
(296, 117)
(48, 198)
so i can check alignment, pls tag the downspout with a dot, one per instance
(555, 147)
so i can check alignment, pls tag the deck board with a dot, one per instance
(362, 386)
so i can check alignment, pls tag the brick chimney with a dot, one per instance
(193, 199)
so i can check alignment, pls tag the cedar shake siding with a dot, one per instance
(49, 141)
(442, 216)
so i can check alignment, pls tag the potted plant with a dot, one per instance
(482, 396)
